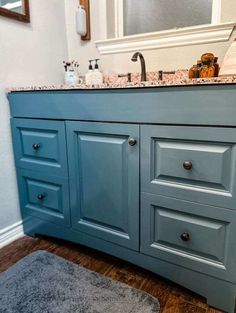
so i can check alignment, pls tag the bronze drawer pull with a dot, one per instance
(36, 146)
(187, 165)
(40, 197)
(185, 236)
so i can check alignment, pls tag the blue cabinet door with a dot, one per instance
(104, 180)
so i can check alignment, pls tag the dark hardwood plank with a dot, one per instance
(173, 298)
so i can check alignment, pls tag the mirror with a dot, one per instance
(15, 9)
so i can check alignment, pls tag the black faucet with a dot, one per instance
(143, 66)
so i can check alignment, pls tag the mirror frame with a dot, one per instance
(25, 17)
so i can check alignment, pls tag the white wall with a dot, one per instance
(29, 54)
(166, 59)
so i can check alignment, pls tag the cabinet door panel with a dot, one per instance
(191, 163)
(104, 181)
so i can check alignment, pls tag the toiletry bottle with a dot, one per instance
(199, 65)
(207, 69)
(193, 72)
(97, 75)
(89, 75)
(207, 57)
(217, 67)
(81, 26)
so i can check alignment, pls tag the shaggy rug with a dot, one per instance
(45, 283)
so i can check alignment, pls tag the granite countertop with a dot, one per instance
(113, 82)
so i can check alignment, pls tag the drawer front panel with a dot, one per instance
(44, 197)
(104, 179)
(196, 236)
(40, 145)
(196, 164)
(175, 230)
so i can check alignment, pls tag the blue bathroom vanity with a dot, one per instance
(147, 175)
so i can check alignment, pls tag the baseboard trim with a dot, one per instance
(11, 233)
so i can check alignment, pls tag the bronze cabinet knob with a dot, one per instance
(187, 165)
(40, 197)
(36, 146)
(185, 236)
(132, 141)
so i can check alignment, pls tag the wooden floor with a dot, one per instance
(173, 299)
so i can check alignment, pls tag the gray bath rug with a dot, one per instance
(45, 283)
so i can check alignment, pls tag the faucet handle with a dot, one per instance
(160, 74)
(128, 75)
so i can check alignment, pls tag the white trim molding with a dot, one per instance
(169, 38)
(11, 233)
(216, 12)
(119, 18)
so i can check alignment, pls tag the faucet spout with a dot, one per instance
(143, 65)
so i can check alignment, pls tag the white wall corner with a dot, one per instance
(11, 233)
(202, 34)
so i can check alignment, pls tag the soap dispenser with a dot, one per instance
(89, 75)
(81, 26)
(97, 75)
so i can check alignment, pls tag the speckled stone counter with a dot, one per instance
(113, 82)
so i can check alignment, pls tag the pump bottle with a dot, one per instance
(89, 75)
(97, 75)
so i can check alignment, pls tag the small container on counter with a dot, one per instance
(71, 78)
(199, 64)
(89, 75)
(208, 57)
(207, 69)
(71, 73)
(97, 75)
(194, 72)
(217, 67)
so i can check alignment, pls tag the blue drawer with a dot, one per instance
(190, 163)
(40, 145)
(45, 197)
(191, 235)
